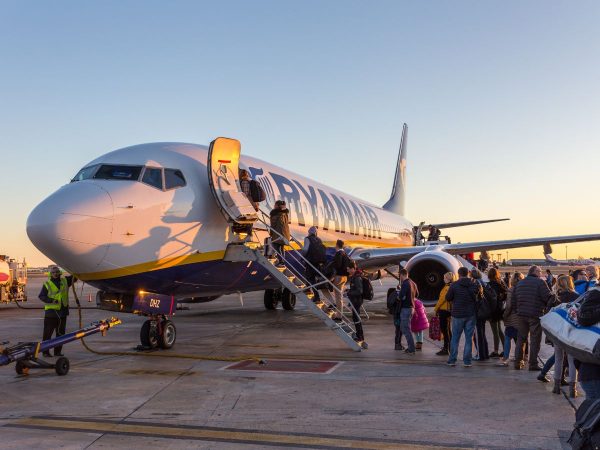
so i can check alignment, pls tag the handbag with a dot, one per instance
(435, 331)
(562, 327)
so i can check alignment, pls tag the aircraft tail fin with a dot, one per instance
(396, 202)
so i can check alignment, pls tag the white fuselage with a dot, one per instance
(122, 234)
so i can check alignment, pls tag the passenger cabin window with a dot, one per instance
(153, 177)
(174, 179)
(114, 172)
(85, 174)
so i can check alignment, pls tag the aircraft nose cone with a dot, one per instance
(73, 227)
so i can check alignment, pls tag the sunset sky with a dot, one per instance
(502, 101)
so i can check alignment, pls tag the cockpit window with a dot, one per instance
(153, 177)
(114, 172)
(173, 178)
(85, 174)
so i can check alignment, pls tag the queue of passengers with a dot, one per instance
(467, 303)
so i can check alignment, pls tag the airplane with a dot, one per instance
(571, 262)
(156, 219)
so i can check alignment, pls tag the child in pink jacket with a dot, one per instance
(419, 323)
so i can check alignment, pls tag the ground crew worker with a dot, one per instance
(55, 295)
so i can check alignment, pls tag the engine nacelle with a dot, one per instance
(427, 270)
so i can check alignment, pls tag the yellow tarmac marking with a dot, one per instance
(168, 430)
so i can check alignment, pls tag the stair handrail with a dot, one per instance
(301, 245)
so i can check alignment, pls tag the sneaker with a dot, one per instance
(503, 363)
(467, 365)
(408, 352)
(543, 378)
(419, 346)
(451, 364)
(494, 355)
(363, 345)
(399, 347)
(442, 352)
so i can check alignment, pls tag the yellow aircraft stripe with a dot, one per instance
(165, 263)
(227, 435)
(150, 266)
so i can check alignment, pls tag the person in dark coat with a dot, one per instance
(501, 290)
(533, 297)
(280, 233)
(355, 295)
(406, 309)
(481, 342)
(464, 295)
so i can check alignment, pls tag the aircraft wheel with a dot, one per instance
(62, 366)
(288, 300)
(21, 368)
(271, 299)
(149, 334)
(169, 334)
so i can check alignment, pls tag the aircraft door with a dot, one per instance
(223, 174)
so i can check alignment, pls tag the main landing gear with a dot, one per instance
(274, 296)
(158, 331)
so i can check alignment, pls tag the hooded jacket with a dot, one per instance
(464, 294)
(280, 219)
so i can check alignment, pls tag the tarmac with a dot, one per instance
(313, 392)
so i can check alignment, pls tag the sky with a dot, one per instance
(502, 101)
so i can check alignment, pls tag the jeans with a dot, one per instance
(481, 340)
(419, 337)
(559, 353)
(591, 389)
(445, 328)
(460, 325)
(497, 332)
(507, 344)
(548, 365)
(340, 284)
(405, 318)
(529, 325)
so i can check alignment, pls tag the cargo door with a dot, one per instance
(223, 179)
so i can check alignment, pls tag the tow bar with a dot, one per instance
(25, 354)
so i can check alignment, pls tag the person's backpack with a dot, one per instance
(586, 431)
(367, 288)
(392, 300)
(342, 270)
(257, 192)
(487, 305)
(317, 252)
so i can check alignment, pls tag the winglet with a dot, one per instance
(396, 202)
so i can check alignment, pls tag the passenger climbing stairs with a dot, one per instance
(223, 179)
(290, 277)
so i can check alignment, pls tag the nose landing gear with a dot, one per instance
(158, 331)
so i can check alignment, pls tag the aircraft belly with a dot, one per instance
(189, 280)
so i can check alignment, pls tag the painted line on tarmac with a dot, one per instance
(231, 435)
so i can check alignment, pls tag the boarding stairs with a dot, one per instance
(222, 165)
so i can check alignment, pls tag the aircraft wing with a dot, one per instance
(463, 224)
(383, 256)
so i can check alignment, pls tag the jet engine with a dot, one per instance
(427, 270)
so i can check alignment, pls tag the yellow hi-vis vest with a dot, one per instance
(57, 296)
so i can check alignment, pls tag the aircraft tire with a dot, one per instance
(169, 335)
(288, 300)
(21, 368)
(61, 366)
(270, 299)
(149, 335)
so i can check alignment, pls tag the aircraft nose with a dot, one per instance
(73, 227)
